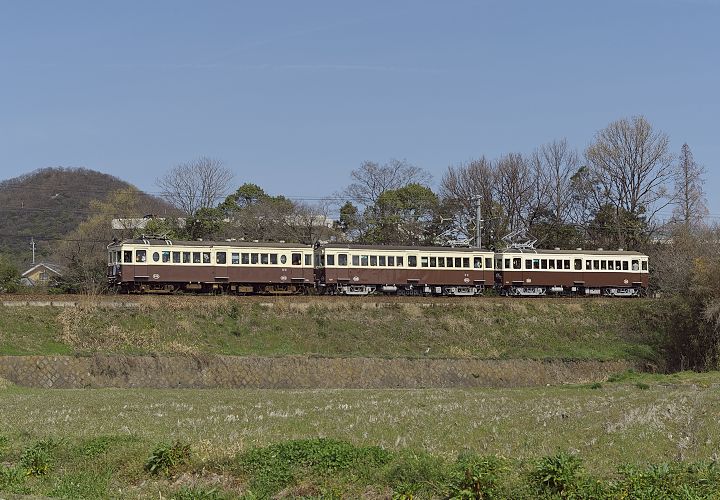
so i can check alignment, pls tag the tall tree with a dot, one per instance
(690, 204)
(403, 216)
(195, 185)
(630, 167)
(371, 180)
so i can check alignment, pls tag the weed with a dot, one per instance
(12, 479)
(642, 386)
(166, 457)
(596, 385)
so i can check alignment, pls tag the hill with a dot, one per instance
(49, 203)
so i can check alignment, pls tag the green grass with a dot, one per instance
(485, 328)
(96, 443)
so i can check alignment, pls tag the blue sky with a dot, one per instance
(294, 95)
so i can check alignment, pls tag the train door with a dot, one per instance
(220, 267)
(141, 265)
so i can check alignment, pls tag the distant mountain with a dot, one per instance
(48, 204)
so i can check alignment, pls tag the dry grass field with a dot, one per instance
(102, 438)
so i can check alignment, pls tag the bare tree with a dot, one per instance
(514, 190)
(690, 204)
(371, 180)
(630, 166)
(194, 185)
(556, 164)
(458, 188)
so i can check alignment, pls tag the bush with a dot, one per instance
(477, 477)
(558, 474)
(37, 460)
(413, 474)
(275, 467)
(12, 479)
(165, 457)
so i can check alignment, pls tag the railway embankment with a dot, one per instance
(194, 342)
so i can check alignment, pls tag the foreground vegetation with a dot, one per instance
(636, 435)
(484, 328)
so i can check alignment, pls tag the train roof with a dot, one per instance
(353, 246)
(186, 243)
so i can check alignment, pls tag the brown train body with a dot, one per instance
(146, 265)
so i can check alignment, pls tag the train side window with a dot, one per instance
(567, 264)
(356, 260)
(127, 256)
(196, 257)
(412, 260)
(322, 259)
(166, 256)
(466, 262)
(625, 265)
(551, 264)
(206, 257)
(220, 258)
(433, 261)
(441, 261)
(596, 265)
(488, 263)
(186, 258)
(296, 259)
(342, 259)
(176, 257)
(140, 255)
(382, 261)
(254, 258)
(578, 264)
(611, 265)
(245, 258)
(235, 258)
(603, 265)
(391, 260)
(449, 262)
(273, 259)
(644, 265)
(364, 260)
(528, 263)
(330, 260)
(618, 265)
(283, 259)
(399, 261)
(635, 265)
(458, 262)
(588, 265)
(536, 263)
(373, 260)
(308, 259)
(423, 261)
(156, 256)
(477, 262)
(543, 263)
(264, 259)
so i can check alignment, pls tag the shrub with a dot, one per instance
(476, 477)
(558, 474)
(37, 460)
(413, 474)
(165, 457)
(276, 466)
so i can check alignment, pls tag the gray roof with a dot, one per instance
(540, 251)
(352, 246)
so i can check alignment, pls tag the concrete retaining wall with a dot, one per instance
(294, 372)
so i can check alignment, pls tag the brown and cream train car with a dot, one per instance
(348, 269)
(566, 272)
(143, 265)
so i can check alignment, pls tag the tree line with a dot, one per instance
(617, 193)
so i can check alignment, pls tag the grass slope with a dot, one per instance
(95, 443)
(485, 328)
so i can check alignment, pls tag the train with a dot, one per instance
(157, 265)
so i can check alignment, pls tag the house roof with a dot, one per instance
(50, 267)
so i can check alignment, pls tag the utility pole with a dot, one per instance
(32, 244)
(478, 222)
